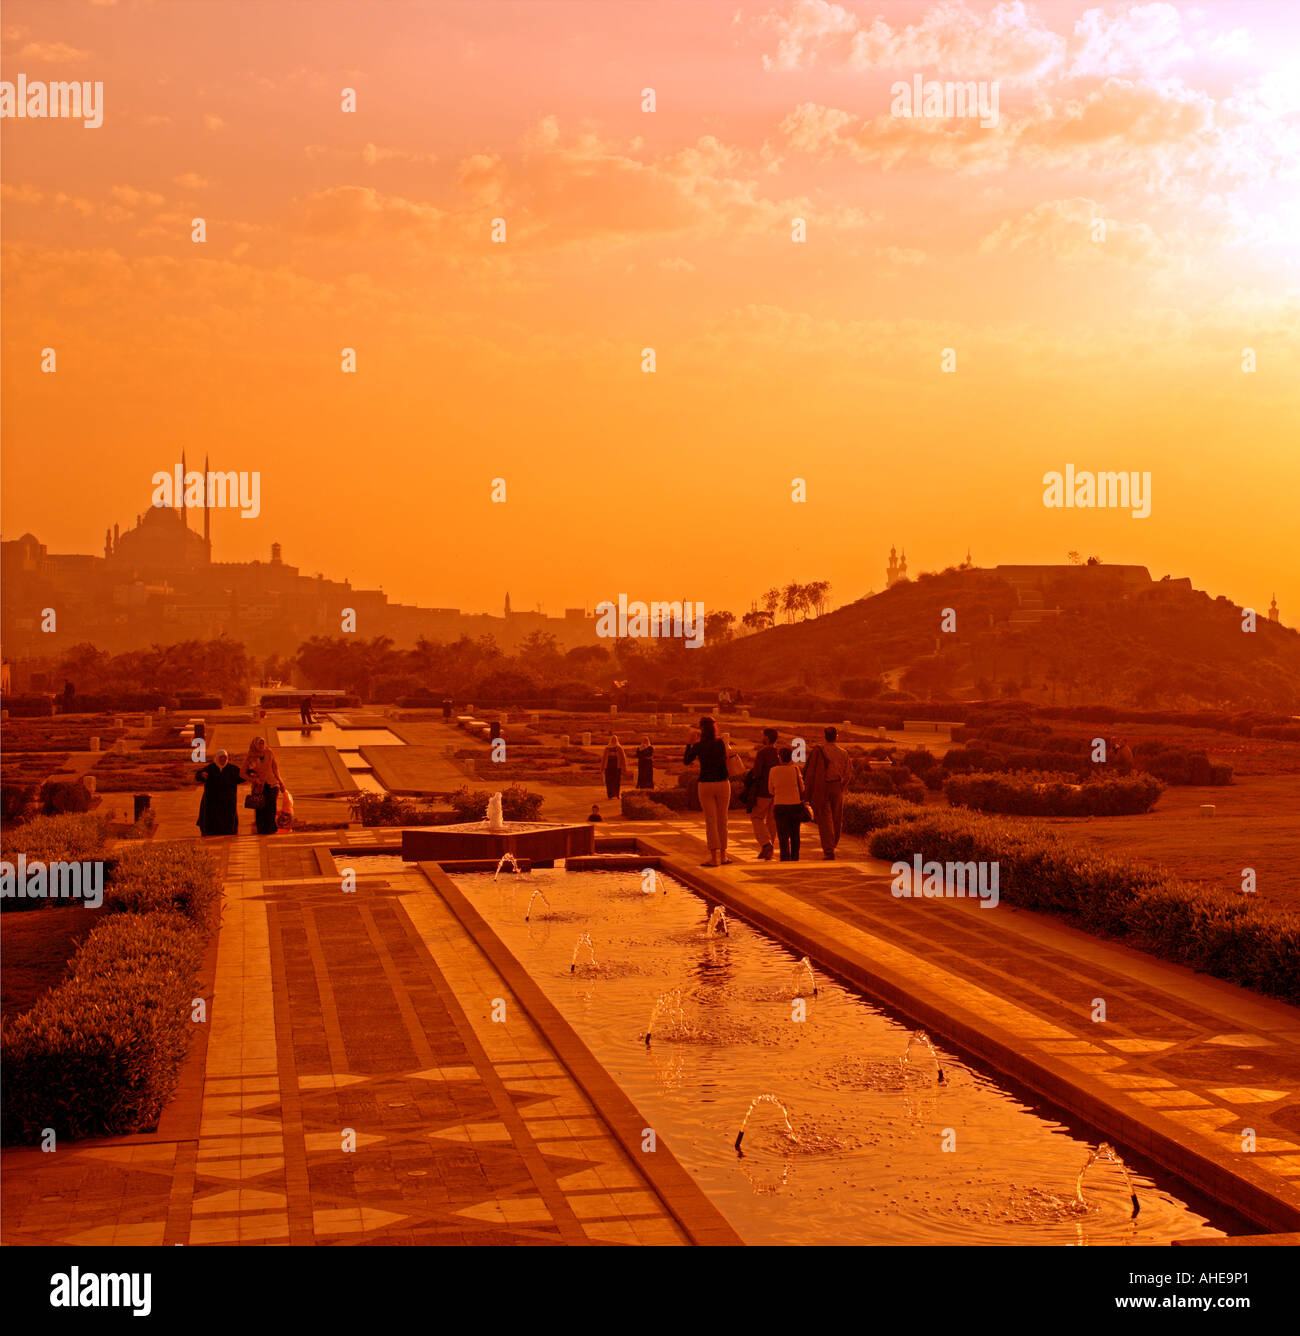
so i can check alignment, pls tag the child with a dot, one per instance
(594, 814)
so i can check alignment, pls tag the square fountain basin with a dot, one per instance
(535, 841)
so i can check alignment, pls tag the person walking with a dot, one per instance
(305, 711)
(645, 765)
(218, 810)
(714, 787)
(785, 784)
(758, 801)
(263, 773)
(826, 778)
(614, 765)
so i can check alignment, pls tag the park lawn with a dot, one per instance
(35, 946)
(59, 734)
(1256, 824)
(125, 772)
(32, 767)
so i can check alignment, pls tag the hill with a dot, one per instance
(1049, 634)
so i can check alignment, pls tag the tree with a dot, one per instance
(758, 619)
(717, 626)
(771, 602)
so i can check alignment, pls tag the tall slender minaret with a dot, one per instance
(1272, 610)
(507, 603)
(207, 529)
(183, 519)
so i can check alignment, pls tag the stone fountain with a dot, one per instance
(539, 842)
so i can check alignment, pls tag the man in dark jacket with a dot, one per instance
(758, 802)
(826, 777)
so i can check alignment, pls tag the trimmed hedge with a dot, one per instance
(101, 1054)
(50, 839)
(168, 878)
(638, 805)
(1028, 794)
(1237, 940)
(865, 812)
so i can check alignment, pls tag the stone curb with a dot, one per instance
(1244, 1189)
(682, 1197)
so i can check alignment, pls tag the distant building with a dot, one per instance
(896, 570)
(1272, 610)
(157, 583)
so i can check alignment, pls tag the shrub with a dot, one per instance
(865, 812)
(51, 839)
(385, 809)
(517, 804)
(676, 799)
(30, 705)
(16, 803)
(1029, 794)
(64, 795)
(174, 877)
(110, 702)
(101, 1054)
(1235, 940)
(638, 805)
(1283, 732)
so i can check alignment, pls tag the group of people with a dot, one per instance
(777, 792)
(614, 767)
(221, 778)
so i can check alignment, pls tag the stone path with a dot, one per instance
(354, 1089)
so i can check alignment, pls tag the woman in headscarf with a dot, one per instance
(645, 765)
(262, 771)
(218, 812)
(614, 765)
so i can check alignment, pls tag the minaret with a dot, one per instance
(891, 572)
(1272, 609)
(507, 603)
(207, 530)
(902, 565)
(108, 542)
(183, 519)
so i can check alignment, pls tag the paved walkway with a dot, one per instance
(354, 1089)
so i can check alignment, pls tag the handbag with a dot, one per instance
(808, 813)
(735, 764)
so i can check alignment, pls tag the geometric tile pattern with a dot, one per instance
(356, 1090)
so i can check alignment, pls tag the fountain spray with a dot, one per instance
(753, 1104)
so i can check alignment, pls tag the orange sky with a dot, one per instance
(1177, 125)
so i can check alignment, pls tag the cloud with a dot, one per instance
(375, 153)
(1138, 39)
(213, 123)
(57, 53)
(359, 212)
(1008, 42)
(191, 181)
(1078, 230)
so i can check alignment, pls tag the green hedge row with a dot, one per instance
(1027, 793)
(640, 805)
(1237, 940)
(100, 1054)
(865, 812)
(50, 839)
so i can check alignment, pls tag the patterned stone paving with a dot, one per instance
(355, 1090)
